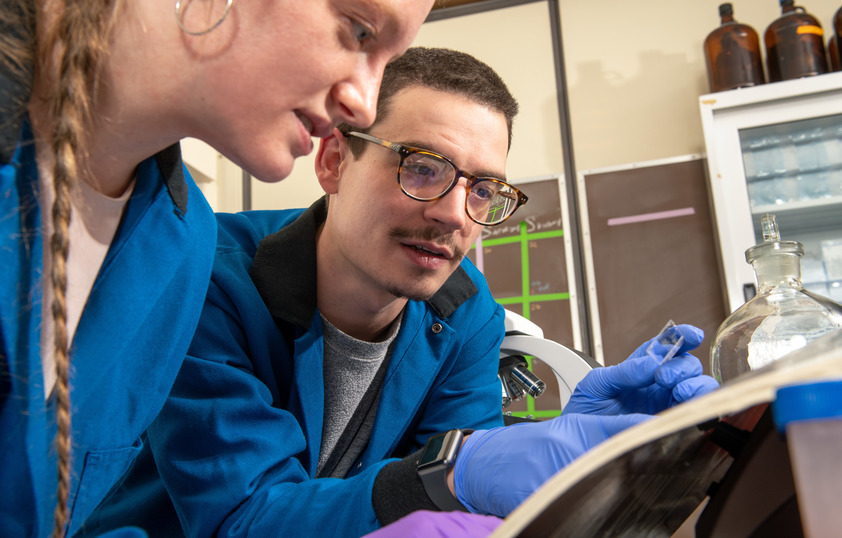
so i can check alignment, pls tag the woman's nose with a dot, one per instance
(356, 97)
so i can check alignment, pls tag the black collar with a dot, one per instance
(284, 272)
(172, 169)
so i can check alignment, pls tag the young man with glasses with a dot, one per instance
(343, 347)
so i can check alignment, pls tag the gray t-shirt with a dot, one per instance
(350, 365)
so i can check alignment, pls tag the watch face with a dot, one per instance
(441, 449)
(433, 450)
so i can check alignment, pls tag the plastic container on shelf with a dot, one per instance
(832, 258)
(834, 291)
(769, 154)
(811, 417)
(812, 269)
(732, 54)
(813, 186)
(780, 318)
(794, 45)
(810, 153)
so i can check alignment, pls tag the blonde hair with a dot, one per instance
(68, 55)
(17, 59)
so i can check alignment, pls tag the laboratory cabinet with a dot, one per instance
(777, 148)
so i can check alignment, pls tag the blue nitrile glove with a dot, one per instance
(498, 468)
(641, 384)
(426, 524)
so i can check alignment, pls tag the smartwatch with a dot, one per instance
(437, 458)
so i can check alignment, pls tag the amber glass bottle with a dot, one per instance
(794, 45)
(732, 54)
(833, 54)
(836, 52)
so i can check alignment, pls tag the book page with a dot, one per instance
(647, 478)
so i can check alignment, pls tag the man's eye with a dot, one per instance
(362, 33)
(418, 169)
(483, 193)
(486, 190)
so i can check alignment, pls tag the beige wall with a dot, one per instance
(516, 42)
(635, 70)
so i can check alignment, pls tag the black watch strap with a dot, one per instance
(437, 458)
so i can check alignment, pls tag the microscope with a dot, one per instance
(524, 337)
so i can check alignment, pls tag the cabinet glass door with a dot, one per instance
(794, 170)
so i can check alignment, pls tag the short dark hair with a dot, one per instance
(444, 70)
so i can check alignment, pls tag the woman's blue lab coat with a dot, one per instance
(131, 339)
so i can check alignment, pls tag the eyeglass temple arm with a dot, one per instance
(379, 141)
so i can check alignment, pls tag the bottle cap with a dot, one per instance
(726, 9)
(807, 402)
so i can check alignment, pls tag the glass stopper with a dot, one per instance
(770, 228)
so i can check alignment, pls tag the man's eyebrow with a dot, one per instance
(425, 146)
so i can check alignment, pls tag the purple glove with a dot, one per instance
(425, 524)
(641, 384)
(497, 469)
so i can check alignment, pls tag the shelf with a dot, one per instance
(802, 215)
(829, 169)
(773, 92)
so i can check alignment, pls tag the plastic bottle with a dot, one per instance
(732, 54)
(794, 45)
(781, 318)
(810, 415)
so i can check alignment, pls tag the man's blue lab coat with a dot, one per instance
(238, 441)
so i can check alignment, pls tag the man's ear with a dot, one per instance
(332, 153)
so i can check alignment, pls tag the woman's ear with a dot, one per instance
(333, 150)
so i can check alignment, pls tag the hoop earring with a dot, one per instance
(179, 15)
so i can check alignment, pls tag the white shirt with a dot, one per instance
(93, 221)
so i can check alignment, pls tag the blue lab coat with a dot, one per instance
(238, 441)
(131, 339)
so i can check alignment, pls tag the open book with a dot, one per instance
(647, 480)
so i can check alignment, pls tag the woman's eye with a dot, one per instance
(362, 33)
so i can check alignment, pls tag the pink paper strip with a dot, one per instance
(659, 215)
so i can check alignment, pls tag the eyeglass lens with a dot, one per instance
(426, 177)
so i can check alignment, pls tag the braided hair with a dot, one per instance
(70, 47)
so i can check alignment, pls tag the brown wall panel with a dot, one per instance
(654, 254)
(524, 263)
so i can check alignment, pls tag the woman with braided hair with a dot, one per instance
(106, 243)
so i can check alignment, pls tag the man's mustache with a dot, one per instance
(430, 235)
